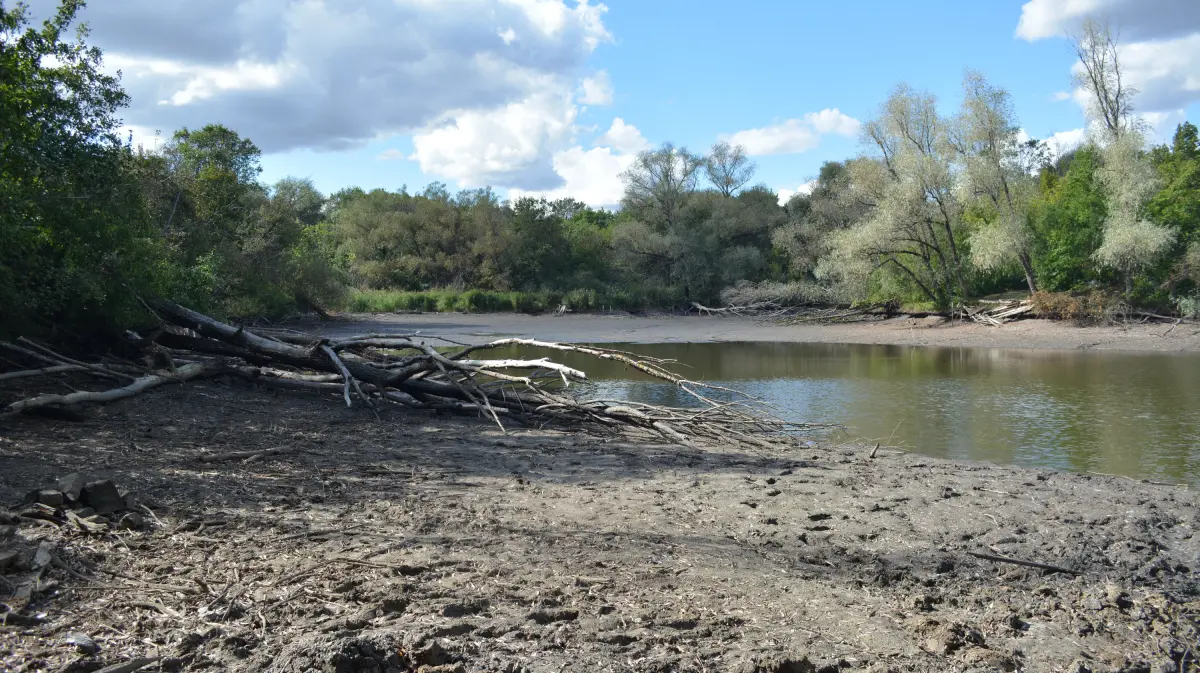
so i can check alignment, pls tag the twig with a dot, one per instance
(240, 455)
(129, 666)
(67, 360)
(1030, 564)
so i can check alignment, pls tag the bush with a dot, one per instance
(1091, 308)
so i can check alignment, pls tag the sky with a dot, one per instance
(556, 97)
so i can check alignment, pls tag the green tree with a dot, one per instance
(1068, 221)
(75, 235)
(1177, 205)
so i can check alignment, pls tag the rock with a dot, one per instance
(85, 512)
(131, 521)
(102, 496)
(7, 532)
(432, 654)
(83, 642)
(43, 556)
(48, 497)
(7, 559)
(72, 485)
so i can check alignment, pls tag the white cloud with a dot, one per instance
(1137, 19)
(392, 154)
(786, 194)
(1064, 141)
(597, 90)
(1159, 45)
(594, 175)
(511, 145)
(1061, 96)
(625, 138)
(309, 74)
(794, 136)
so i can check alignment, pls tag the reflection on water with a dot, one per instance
(1119, 413)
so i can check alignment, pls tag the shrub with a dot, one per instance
(1090, 308)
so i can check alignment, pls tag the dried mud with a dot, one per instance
(427, 543)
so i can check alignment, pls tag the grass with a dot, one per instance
(490, 301)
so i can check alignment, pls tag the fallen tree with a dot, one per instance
(407, 370)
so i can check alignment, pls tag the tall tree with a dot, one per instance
(659, 182)
(998, 176)
(1110, 96)
(728, 168)
(914, 218)
(73, 234)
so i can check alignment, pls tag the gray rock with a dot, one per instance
(102, 496)
(84, 512)
(131, 521)
(7, 559)
(72, 485)
(50, 497)
(83, 642)
(43, 556)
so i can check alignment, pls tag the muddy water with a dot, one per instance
(1136, 415)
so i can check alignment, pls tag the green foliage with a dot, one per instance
(75, 242)
(1068, 220)
(946, 209)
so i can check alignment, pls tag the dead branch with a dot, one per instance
(56, 369)
(1029, 564)
(399, 369)
(242, 455)
(186, 373)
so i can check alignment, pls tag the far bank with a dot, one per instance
(901, 331)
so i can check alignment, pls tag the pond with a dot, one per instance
(1130, 414)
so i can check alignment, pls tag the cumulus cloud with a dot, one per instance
(1138, 19)
(594, 176)
(1159, 44)
(508, 146)
(596, 90)
(786, 194)
(795, 136)
(623, 137)
(310, 74)
(1064, 141)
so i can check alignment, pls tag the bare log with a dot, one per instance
(346, 378)
(526, 391)
(186, 373)
(56, 369)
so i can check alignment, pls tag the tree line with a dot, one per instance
(938, 209)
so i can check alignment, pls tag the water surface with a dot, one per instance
(1134, 414)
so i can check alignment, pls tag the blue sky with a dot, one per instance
(383, 93)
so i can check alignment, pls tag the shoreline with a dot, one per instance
(424, 542)
(1036, 334)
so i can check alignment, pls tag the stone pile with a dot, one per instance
(93, 505)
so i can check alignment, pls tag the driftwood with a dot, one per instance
(1028, 564)
(406, 370)
(994, 313)
(185, 373)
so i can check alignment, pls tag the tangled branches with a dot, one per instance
(397, 369)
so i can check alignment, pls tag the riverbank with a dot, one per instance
(421, 541)
(901, 331)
